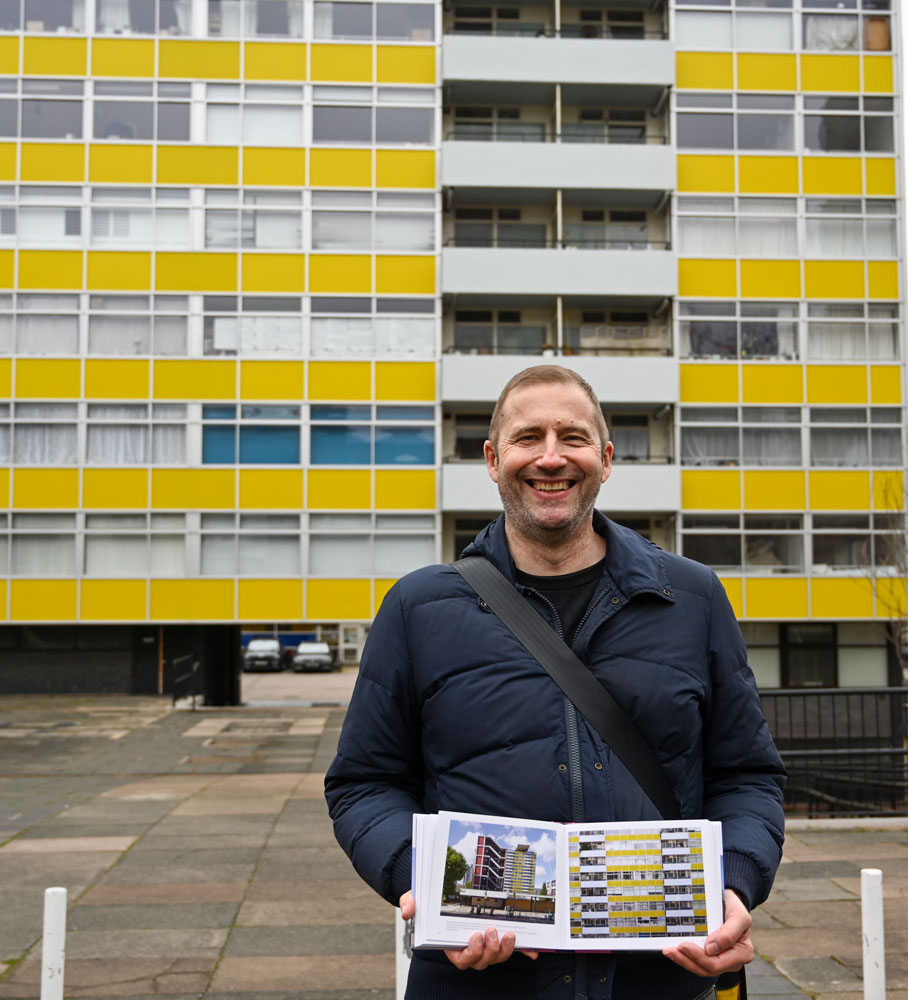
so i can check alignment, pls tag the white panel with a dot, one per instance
(862, 666)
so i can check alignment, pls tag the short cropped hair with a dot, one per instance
(546, 375)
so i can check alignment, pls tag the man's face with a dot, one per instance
(550, 462)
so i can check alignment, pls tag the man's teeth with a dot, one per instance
(548, 486)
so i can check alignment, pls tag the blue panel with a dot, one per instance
(404, 445)
(218, 445)
(341, 445)
(406, 413)
(270, 445)
(337, 411)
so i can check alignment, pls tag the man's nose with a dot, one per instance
(551, 458)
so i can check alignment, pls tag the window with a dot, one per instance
(52, 109)
(752, 543)
(847, 32)
(272, 222)
(45, 434)
(840, 437)
(145, 17)
(271, 114)
(121, 434)
(47, 324)
(346, 435)
(761, 439)
(750, 330)
(354, 545)
(392, 21)
(841, 127)
(43, 545)
(265, 545)
(121, 113)
(401, 221)
(264, 435)
(852, 331)
(763, 121)
(401, 327)
(257, 324)
(54, 15)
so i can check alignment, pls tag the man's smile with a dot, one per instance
(550, 485)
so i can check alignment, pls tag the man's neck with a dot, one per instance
(565, 556)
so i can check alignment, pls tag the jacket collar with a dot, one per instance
(632, 564)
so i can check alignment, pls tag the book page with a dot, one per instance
(488, 871)
(643, 885)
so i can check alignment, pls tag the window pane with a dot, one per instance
(410, 22)
(399, 554)
(709, 446)
(343, 20)
(701, 131)
(706, 236)
(771, 446)
(878, 135)
(341, 124)
(832, 132)
(765, 131)
(173, 122)
(270, 445)
(831, 32)
(718, 551)
(124, 120)
(404, 232)
(51, 119)
(840, 446)
(43, 555)
(404, 125)
(835, 237)
(341, 445)
(269, 555)
(701, 30)
(272, 125)
(405, 446)
(218, 445)
(709, 339)
(763, 32)
(339, 555)
(117, 444)
(341, 230)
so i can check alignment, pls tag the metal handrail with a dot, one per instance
(464, 133)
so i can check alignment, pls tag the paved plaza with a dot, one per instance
(199, 859)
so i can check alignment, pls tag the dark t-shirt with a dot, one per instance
(571, 593)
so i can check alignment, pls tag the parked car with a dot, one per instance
(263, 654)
(313, 656)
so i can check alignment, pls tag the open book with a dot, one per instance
(565, 886)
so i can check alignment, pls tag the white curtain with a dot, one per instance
(709, 446)
(882, 240)
(168, 444)
(631, 443)
(183, 10)
(4, 444)
(773, 552)
(225, 335)
(222, 228)
(6, 334)
(36, 334)
(43, 555)
(167, 555)
(886, 446)
(170, 335)
(835, 341)
(270, 334)
(223, 124)
(171, 228)
(295, 18)
(119, 335)
(117, 444)
(883, 342)
(323, 20)
(341, 337)
(78, 19)
(699, 30)
(341, 230)
(44, 444)
(835, 238)
(771, 446)
(116, 555)
(831, 32)
(706, 237)
(399, 554)
(275, 230)
(405, 336)
(339, 555)
(838, 446)
(769, 32)
(113, 15)
(767, 238)
(41, 225)
(272, 125)
(269, 555)
(231, 17)
(218, 555)
(404, 232)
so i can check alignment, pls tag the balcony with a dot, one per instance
(631, 488)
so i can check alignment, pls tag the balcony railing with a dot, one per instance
(593, 339)
(525, 339)
(620, 135)
(585, 243)
(531, 29)
(844, 749)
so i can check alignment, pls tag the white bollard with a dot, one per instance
(54, 944)
(872, 934)
(402, 953)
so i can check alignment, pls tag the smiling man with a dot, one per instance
(450, 711)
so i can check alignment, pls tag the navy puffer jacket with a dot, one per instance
(451, 712)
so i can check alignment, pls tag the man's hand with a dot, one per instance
(726, 949)
(482, 950)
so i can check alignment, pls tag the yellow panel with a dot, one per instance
(8, 160)
(841, 384)
(706, 173)
(340, 380)
(3, 593)
(43, 600)
(194, 379)
(707, 278)
(777, 278)
(45, 488)
(405, 275)
(734, 590)
(830, 73)
(273, 272)
(9, 54)
(270, 600)
(405, 489)
(340, 167)
(197, 489)
(404, 168)
(50, 269)
(339, 489)
(115, 489)
(772, 383)
(878, 74)
(380, 589)
(886, 385)
(196, 272)
(770, 598)
(882, 279)
(405, 380)
(406, 64)
(834, 279)
(759, 71)
(199, 60)
(891, 598)
(841, 597)
(55, 56)
(52, 161)
(275, 61)
(114, 600)
(338, 600)
(44, 378)
(6, 384)
(122, 57)
(832, 175)
(271, 380)
(704, 70)
(709, 383)
(880, 176)
(274, 167)
(192, 600)
(198, 165)
(7, 268)
(838, 489)
(766, 489)
(888, 490)
(271, 489)
(340, 273)
(116, 270)
(120, 164)
(768, 175)
(710, 489)
(116, 379)
(347, 63)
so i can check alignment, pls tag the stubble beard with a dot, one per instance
(521, 516)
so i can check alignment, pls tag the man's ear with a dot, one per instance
(491, 460)
(607, 461)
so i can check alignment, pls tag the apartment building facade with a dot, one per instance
(265, 265)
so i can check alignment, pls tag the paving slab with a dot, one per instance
(157, 916)
(816, 975)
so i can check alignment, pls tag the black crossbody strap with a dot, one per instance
(574, 679)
